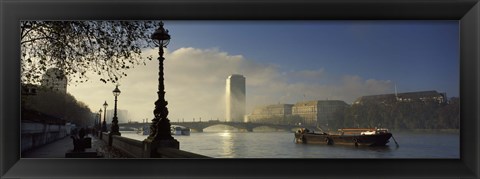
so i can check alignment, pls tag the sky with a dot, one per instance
(285, 62)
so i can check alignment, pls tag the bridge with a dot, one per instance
(243, 126)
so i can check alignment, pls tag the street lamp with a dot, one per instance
(99, 124)
(100, 118)
(160, 127)
(114, 130)
(104, 124)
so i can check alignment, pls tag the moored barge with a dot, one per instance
(179, 130)
(357, 137)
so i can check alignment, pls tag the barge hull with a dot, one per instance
(357, 140)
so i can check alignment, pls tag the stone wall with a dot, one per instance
(105, 137)
(35, 134)
(141, 149)
(131, 147)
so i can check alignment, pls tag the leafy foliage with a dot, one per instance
(58, 104)
(106, 48)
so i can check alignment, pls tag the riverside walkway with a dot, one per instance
(58, 149)
(121, 148)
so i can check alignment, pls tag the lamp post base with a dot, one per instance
(110, 137)
(151, 146)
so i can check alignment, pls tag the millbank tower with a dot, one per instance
(235, 98)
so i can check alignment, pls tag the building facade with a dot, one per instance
(55, 79)
(423, 96)
(270, 113)
(235, 98)
(318, 112)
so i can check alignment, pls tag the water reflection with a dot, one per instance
(220, 128)
(227, 143)
(365, 148)
(233, 144)
(343, 151)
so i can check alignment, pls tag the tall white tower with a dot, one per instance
(235, 98)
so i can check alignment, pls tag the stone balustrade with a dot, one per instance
(175, 153)
(131, 147)
(138, 149)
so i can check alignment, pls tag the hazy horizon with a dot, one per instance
(284, 62)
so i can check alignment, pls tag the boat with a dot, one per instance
(356, 136)
(179, 130)
(145, 130)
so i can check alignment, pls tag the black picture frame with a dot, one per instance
(466, 11)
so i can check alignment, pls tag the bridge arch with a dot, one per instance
(267, 128)
(240, 126)
(221, 127)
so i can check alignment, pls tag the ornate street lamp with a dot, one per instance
(99, 119)
(160, 127)
(114, 130)
(104, 124)
(99, 124)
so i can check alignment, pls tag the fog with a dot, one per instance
(195, 85)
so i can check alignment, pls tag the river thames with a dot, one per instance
(227, 144)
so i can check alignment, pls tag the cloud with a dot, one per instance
(195, 85)
(308, 74)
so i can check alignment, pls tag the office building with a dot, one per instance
(318, 112)
(423, 96)
(235, 98)
(276, 113)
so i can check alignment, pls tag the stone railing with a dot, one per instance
(139, 149)
(131, 147)
(175, 153)
(105, 137)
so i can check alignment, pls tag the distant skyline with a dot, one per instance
(285, 62)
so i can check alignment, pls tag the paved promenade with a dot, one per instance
(58, 149)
